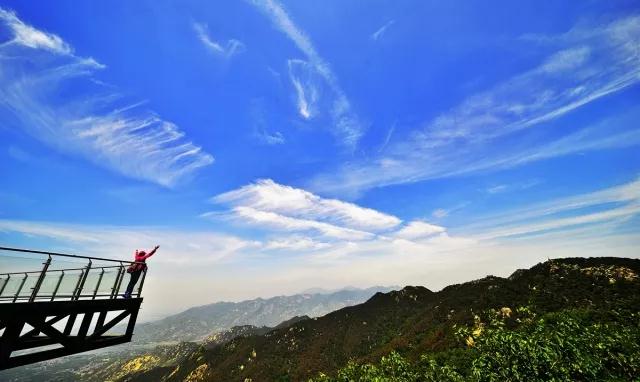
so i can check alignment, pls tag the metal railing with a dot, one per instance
(91, 281)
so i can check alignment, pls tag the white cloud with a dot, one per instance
(129, 140)
(296, 244)
(587, 139)
(625, 194)
(275, 138)
(307, 84)
(274, 207)
(387, 138)
(613, 204)
(497, 189)
(231, 48)
(377, 35)
(417, 230)
(569, 78)
(267, 195)
(346, 125)
(585, 68)
(161, 154)
(500, 188)
(566, 60)
(31, 37)
(277, 221)
(440, 213)
(563, 223)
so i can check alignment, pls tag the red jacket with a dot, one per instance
(141, 256)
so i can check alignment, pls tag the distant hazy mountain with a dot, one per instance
(317, 290)
(197, 323)
(213, 324)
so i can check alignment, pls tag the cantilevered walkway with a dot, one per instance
(61, 304)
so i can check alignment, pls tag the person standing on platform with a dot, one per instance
(137, 268)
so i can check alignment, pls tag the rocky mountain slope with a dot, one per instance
(411, 321)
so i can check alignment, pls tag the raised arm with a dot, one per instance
(148, 255)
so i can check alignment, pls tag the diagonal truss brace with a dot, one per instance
(43, 317)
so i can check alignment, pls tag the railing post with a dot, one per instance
(80, 285)
(95, 291)
(43, 274)
(20, 287)
(114, 289)
(122, 274)
(53, 295)
(5, 284)
(144, 274)
(77, 284)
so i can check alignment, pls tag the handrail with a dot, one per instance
(61, 296)
(78, 291)
(59, 270)
(67, 255)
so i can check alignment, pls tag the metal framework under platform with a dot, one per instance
(42, 316)
(58, 311)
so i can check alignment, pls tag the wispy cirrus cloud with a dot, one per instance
(228, 50)
(584, 66)
(28, 36)
(307, 84)
(614, 204)
(440, 213)
(619, 214)
(379, 33)
(37, 66)
(346, 125)
(262, 130)
(268, 138)
(519, 186)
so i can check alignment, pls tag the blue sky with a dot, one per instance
(272, 146)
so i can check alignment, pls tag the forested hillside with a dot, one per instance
(413, 322)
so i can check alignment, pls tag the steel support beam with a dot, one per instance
(15, 316)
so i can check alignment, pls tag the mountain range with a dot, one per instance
(165, 341)
(196, 323)
(411, 321)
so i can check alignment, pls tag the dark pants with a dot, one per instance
(132, 282)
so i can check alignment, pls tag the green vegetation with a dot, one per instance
(572, 345)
